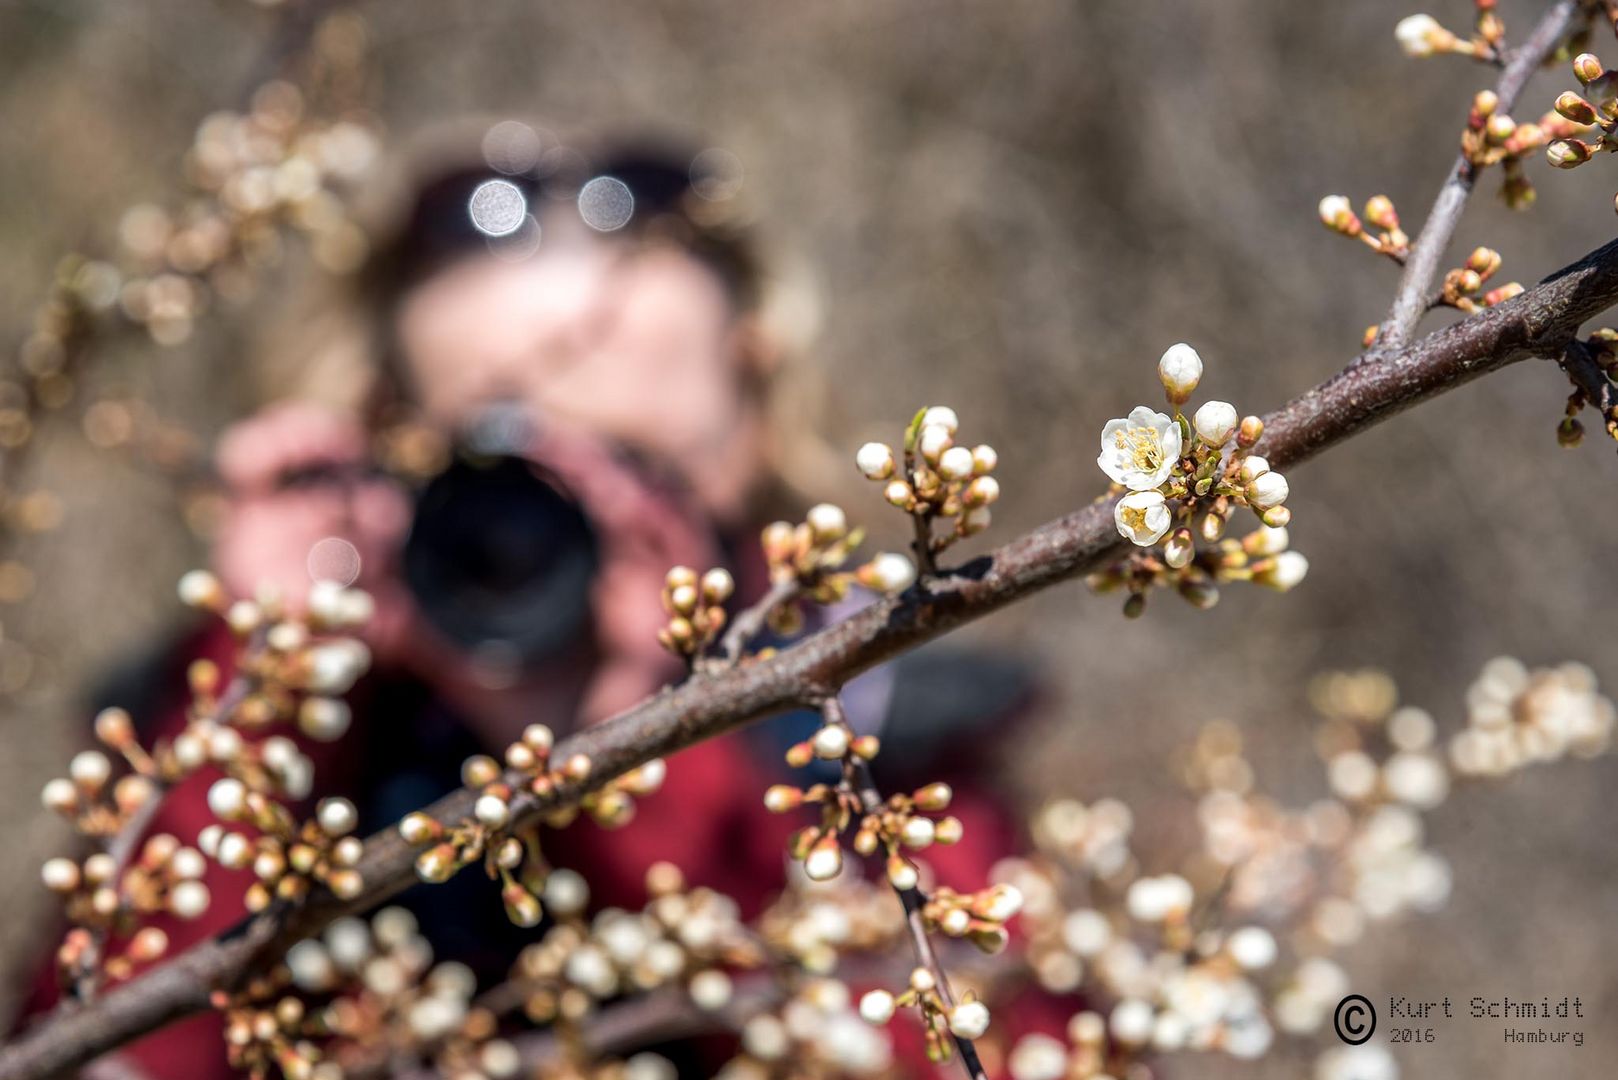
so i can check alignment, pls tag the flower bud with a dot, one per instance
(1282, 573)
(436, 864)
(825, 860)
(227, 799)
(337, 817)
(969, 1020)
(1567, 153)
(1421, 36)
(1266, 490)
(1277, 517)
(90, 769)
(200, 589)
(956, 463)
(827, 522)
(1379, 211)
(1587, 68)
(780, 798)
(717, 585)
(60, 875)
(1248, 434)
(324, 719)
(902, 873)
(1498, 128)
(1337, 214)
(983, 491)
(1215, 422)
(984, 459)
(1571, 106)
(1483, 262)
(933, 797)
(877, 1007)
(1179, 549)
(889, 572)
(898, 493)
(875, 461)
(933, 441)
(189, 899)
(831, 742)
(1180, 369)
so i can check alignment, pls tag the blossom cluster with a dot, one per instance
(1234, 950)
(1492, 137)
(288, 674)
(935, 478)
(1592, 115)
(1181, 479)
(510, 850)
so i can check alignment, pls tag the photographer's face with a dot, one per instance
(634, 345)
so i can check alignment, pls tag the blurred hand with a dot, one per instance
(339, 521)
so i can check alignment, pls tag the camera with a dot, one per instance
(500, 556)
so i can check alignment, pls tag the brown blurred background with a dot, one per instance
(1013, 208)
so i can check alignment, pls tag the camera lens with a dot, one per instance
(500, 555)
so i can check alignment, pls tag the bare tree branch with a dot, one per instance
(1427, 251)
(1538, 323)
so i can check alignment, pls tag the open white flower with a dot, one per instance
(1142, 517)
(1141, 451)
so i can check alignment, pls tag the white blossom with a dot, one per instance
(1140, 451)
(969, 1020)
(1142, 517)
(1267, 490)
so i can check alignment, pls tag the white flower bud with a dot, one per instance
(1215, 422)
(1253, 467)
(335, 665)
(566, 892)
(1267, 490)
(492, 811)
(189, 899)
(969, 1020)
(825, 862)
(1131, 1022)
(187, 863)
(827, 522)
(891, 572)
(1267, 540)
(59, 795)
(875, 461)
(235, 851)
(60, 875)
(1420, 35)
(1286, 571)
(324, 719)
(917, 833)
(200, 589)
(941, 416)
(1003, 902)
(933, 441)
(1038, 1057)
(831, 742)
(1335, 209)
(710, 990)
(1253, 947)
(1155, 899)
(1180, 370)
(337, 817)
(766, 1038)
(984, 459)
(956, 463)
(90, 769)
(227, 798)
(244, 617)
(877, 1007)
(717, 585)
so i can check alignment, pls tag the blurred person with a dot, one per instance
(618, 374)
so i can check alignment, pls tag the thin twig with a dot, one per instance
(913, 899)
(1538, 323)
(1427, 251)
